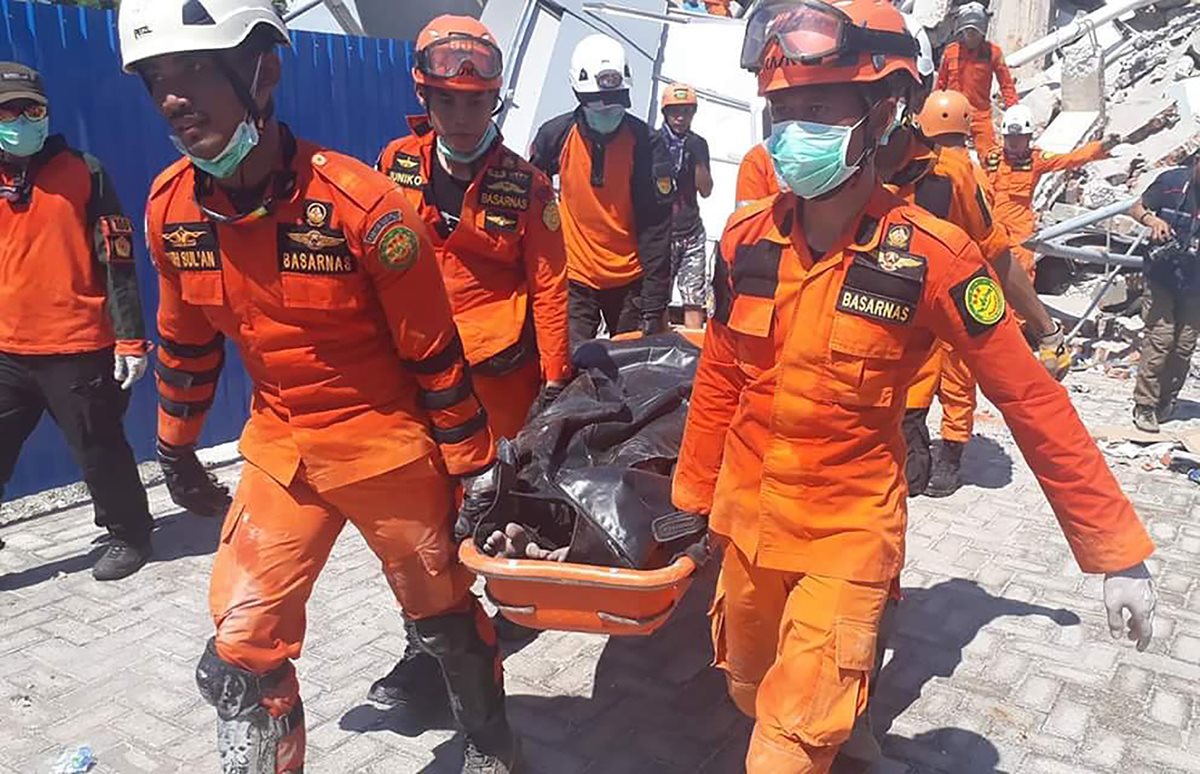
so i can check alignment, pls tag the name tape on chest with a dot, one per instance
(506, 189)
(192, 246)
(304, 249)
(406, 171)
(885, 286)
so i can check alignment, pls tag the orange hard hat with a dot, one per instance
(679, 94)
(811, 43)
(945, 112)
(458, 53)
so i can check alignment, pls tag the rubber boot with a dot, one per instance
(918, 461)
(471, 668)
(945, 478)
(415, 682)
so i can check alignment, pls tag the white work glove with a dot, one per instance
(129, 368)
(1130, 590)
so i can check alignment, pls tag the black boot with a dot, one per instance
(471, 669)
(918, 461)
(414, 683)
(945, 478)
(122, 558)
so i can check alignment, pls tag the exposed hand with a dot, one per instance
(191, 486)
(1052, 353)
(549, 394)
(1160, 230)
(127, 369)
(1110, 142)
(1130, 591)
(653, 323)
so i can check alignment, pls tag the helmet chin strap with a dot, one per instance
(246, 95)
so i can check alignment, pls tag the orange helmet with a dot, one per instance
(945, 112)
(458, 53)
(811, 42)
(679, 94)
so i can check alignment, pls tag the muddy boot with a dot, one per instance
(414, 683)
(471, 668)
(945, 478)
(1145, 419)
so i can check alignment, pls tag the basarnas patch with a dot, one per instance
(506, 188)
(306, 250)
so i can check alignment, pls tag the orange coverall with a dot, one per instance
(949, 185)
(793, 449)
(504, 267)
(971, 72)
(362, 401)
(1014, 183)
(756, 177)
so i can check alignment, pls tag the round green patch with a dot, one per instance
(984, 300)
(398, 248)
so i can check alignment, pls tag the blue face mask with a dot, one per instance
(604, 119)
(897, 122)
(471, 156)
(245, 139)
(225, 164)
(23, 138)
(810, 158)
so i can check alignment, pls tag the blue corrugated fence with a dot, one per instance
(351, 94)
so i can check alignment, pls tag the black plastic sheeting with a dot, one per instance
(594, 467)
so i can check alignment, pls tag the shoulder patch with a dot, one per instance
(551, 218)
(980, 302)
(399, 247)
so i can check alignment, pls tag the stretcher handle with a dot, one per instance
(635, 623)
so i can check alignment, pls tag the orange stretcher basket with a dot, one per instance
(580, 597)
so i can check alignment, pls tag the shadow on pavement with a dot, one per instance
(1184, 410)
(986, 464)
(949, 750)
(932, 628)
(176, 536)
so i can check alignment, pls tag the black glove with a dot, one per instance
(191, 486)
(481, 493)
(548, 395)
(653, 323)
(683, 533)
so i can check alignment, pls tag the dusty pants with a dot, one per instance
(798, 652)
(983, 132)
(276, 540)
(1172, 323)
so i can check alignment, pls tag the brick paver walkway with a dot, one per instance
(1002, 659)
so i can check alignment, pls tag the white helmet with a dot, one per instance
(925, 65)
(1018, 119)
(973, 16)
(598, 64)
(150, 28)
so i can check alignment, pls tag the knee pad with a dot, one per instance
(237, 692)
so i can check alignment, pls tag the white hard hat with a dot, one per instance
(150, 28)
(1018, 119)
(973, 16)
(598, 64)
(925, 64)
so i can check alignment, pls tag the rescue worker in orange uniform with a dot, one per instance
(756, 176)
(1016, 169)
(72, 340)
(323, 276)
(968, 66)
(945, 120)
(616, 187)
(494, 222)
(829, 298)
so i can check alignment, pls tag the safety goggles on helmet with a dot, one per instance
(809, 31)
(610, 79)
(11, 111)
(459, 54)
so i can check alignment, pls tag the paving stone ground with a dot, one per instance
(1002, 660)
